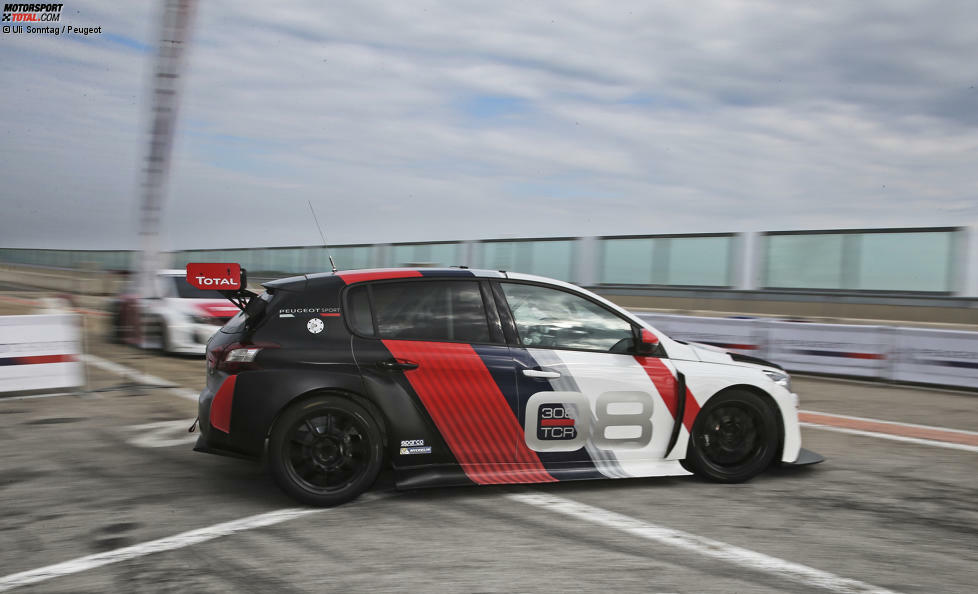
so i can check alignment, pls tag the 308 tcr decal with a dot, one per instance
(621, 420)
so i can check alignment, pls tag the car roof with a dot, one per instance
(352, 276)
(348, 277)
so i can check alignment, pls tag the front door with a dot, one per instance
(587, 403)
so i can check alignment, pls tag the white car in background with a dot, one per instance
(181, 320)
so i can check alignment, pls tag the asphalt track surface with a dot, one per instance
(102, 492)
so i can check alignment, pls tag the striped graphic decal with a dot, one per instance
(376, 274)
(359, 276)
(38, 359)
(470, 412)
(604, 461)
(665, 383)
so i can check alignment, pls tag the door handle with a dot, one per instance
(397, 365)
(540, 373)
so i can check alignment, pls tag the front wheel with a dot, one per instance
(325, 450)
(734, 437)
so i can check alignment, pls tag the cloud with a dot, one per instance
(427, 121)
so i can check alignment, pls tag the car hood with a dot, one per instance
(711, 354)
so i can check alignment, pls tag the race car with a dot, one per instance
(180, 320)
(458, 377)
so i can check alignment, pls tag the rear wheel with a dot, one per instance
(165, 345)
(325, 450)
(116, 332)
(734, 437)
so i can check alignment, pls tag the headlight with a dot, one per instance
(779, 377)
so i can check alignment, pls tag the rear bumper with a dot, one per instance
(204, 446)
(213, 440)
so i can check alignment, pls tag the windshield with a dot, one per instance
(186, 291)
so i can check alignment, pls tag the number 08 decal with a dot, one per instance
(563, 422)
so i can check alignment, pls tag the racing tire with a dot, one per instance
(115, 327)
(165, 345)
(325, 450)
(734, 437)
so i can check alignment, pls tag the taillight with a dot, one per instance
(235, 357)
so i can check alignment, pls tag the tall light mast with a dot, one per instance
(175, 29)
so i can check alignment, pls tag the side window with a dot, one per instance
(550, 318)
(358, 311)
(427, 310)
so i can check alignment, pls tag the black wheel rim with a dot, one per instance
(327, 450)
(733, 434)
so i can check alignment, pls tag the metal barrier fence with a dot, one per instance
(945, 357)
(932, 261)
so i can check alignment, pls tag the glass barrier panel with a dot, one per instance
(626, 261)
(351, 258)
(804, 261)
(905, 261)
(703, 261)
(545, 258)
(553, 259)
(285, 260)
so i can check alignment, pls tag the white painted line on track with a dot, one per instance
(788, 570)
(162, 434)
(170, 543)
(927, 442)
(894, 423)
(137, 376)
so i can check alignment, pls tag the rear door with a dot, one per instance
(434, 343)
(586, 400)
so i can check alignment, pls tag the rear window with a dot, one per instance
(429, 310)
(358, 313)
(252, 313)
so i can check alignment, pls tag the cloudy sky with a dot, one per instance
(406, 121)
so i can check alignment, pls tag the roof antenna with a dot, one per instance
(323, 235)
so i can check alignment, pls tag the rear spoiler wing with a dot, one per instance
(228, 279)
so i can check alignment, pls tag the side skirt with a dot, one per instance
(450, 475)
(805, 457)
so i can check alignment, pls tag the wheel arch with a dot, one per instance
(764, 395)
(373, 409)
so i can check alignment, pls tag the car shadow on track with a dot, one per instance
(385, 483)
(248, 479)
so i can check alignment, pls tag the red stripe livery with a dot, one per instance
(470, 411)
(221, 405)
(665, 384)
(368, 275)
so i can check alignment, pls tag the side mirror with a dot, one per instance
(648, 342)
